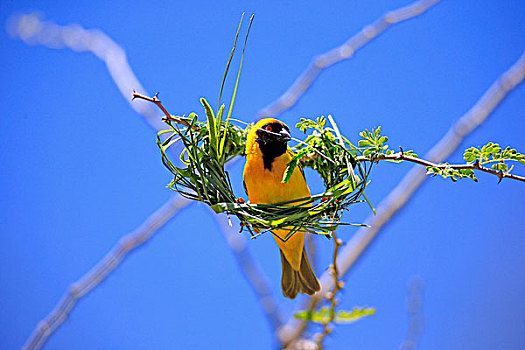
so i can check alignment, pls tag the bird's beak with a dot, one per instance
(285, 135)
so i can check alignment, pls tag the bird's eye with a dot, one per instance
(268, 128)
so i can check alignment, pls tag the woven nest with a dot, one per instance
(208, 146)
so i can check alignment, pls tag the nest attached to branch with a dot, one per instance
(208, 146)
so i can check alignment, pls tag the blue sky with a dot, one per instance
(80, 169)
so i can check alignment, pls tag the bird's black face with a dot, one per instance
(273, 133)
(273, 141)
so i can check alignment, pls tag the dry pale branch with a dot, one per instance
(407, 187)
(342, 52)
(33, 31)
(416, 320)
(98, 273)
(252, 272)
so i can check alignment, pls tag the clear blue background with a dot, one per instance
(79, 169)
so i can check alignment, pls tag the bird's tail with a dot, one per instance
(302, 281)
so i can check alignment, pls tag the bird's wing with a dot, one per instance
(245, 189)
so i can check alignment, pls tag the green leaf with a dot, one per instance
(471, 154)
(224, 136)
(382, 139)
(229, 60)
(211, 124)
(323, 316)
(410, 153)
(500, 166)
(305, 124)
(468, 173)
(369, 204)
(368, 152)
(292, 164)
(321, 122)
(364, 143)
(218, 119)
(354, 315)
(240, 68)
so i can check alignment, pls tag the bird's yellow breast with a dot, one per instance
(265, 186)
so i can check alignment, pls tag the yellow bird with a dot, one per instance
(267, 155)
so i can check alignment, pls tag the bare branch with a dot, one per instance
(402, 193)
(101, 271)
(252, 272)
(33, 31)
(416, 320)
(155, 100)
(474, 166)
(167, 115)
(331, 296)
(340, 53)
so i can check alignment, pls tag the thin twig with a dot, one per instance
(343, 52)
(331, 296)
(473, 166)
(167, 115)
(401, 194)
